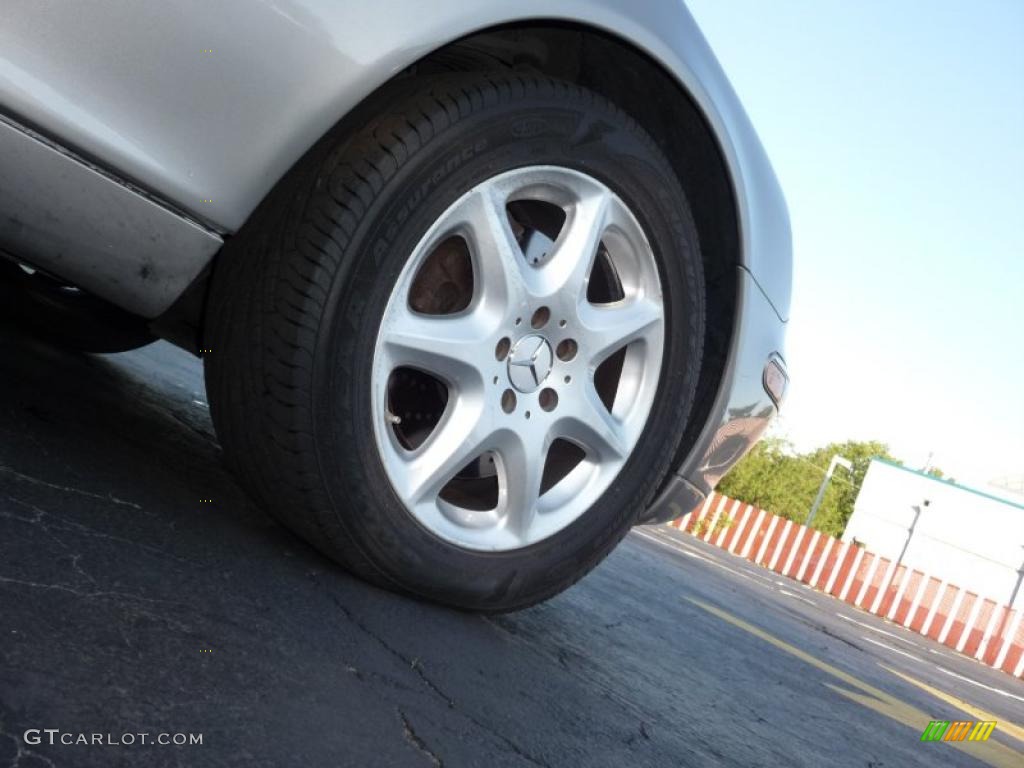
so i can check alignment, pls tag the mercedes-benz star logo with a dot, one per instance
(529, 363)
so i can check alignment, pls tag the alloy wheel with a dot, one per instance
(518, 358)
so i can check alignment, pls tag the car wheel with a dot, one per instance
(457, 348)
(65, 315)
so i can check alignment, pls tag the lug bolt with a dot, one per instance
(566, 350)
(508, 401)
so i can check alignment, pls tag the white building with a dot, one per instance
(1012, 483)
(970, 538)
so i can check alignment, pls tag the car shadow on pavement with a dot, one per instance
(140, 590)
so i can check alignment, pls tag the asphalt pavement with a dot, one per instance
(142, 593)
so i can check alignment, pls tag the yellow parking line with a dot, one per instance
(991, 752)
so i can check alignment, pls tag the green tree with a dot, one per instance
(775, 477)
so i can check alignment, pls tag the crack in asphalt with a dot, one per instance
(129, 603)
(56, 523)
(21, 751)
(67, 488)
(127, 596)
(415, 665)
(831, 634)
(413, 738)
(822, 628)
(630, 740)
(562, 657)
(411, 662)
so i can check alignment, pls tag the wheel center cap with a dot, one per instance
(529, 362)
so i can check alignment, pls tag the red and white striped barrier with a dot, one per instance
(968, 623)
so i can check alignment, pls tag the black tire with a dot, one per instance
(297, 298)
(66, 316)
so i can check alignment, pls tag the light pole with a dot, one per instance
(1009, 605)
(1016, 587)
(910, 532)
(837, 460)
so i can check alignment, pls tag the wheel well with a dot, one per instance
(646, 92)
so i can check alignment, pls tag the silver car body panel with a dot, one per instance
(178, 118)
(208, 104)
(59, 212)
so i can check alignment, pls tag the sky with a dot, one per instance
(896, 128)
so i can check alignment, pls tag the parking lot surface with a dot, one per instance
(140, 592)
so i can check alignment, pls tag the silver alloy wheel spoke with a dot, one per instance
(457, 440)
(494, 247)
(609, 329)
(520, 362)
(588, 424)
(522, 465)
(568, 267)
(442, 345)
